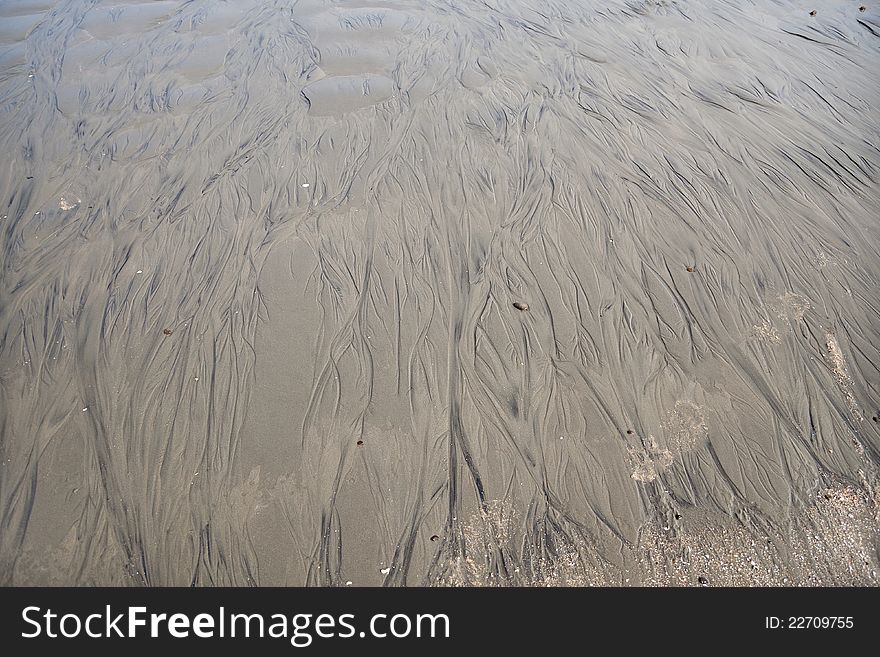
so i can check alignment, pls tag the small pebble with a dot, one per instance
(305, 184)
(813, 13)
(703, 581)
(691, 269)
(167, 331)
(385, 571)
(630, 432)
(519, 305)
(435, 538)
(862, 8)
(360, 442)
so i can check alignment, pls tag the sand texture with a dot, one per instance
(442, 292)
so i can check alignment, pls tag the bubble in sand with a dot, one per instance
(651, 461)
(66, 204)
(792, 306)
(766, 332)
(685, 427)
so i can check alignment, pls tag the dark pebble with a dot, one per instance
(703, 581)
(629, 432)
(813, 13)
(360, 442)
(519, 305)
(691, 269)
(167, 331)
(862, 8)
(678, 516)
(435, 538)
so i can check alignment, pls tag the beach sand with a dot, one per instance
(453, 292)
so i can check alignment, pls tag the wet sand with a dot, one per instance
(451, 292)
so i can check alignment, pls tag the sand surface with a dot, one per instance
(258, 268)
